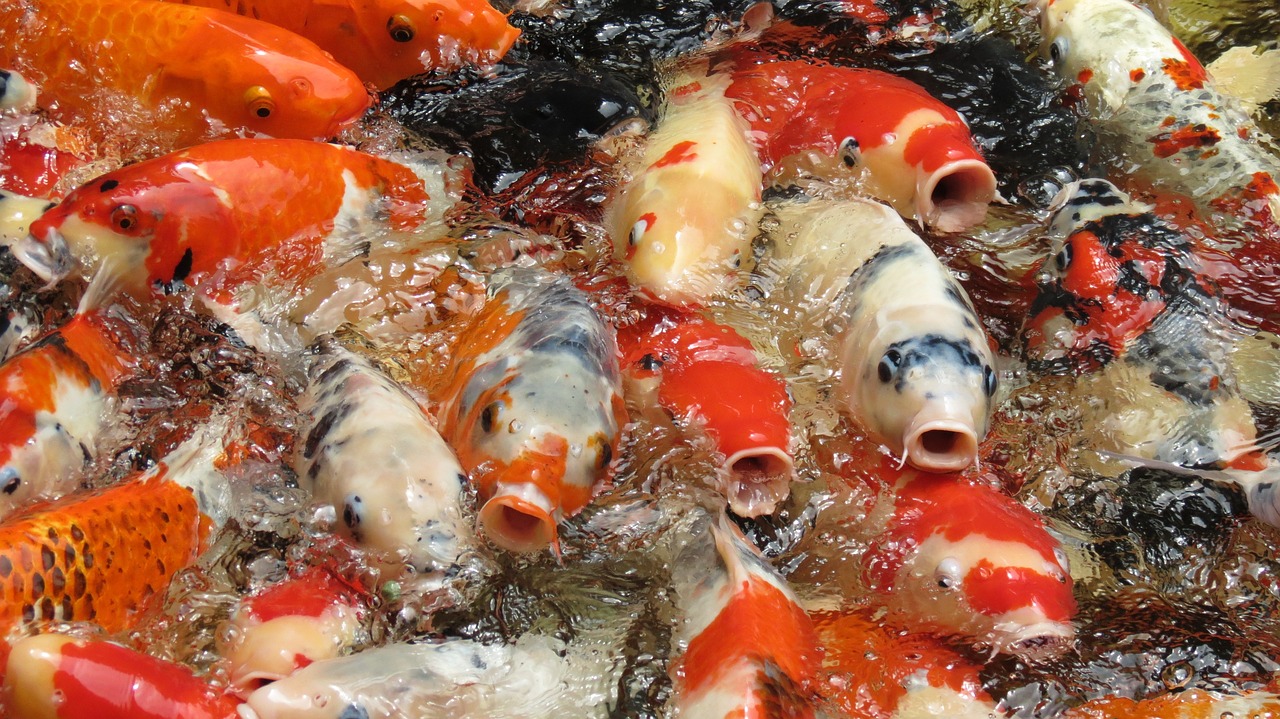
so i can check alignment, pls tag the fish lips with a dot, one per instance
(49, 256)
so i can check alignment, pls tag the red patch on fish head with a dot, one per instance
(1084, 76)
(993, 590)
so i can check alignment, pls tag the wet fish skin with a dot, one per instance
(372, 452)
(533, 405)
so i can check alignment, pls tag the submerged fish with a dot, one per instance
(54, 676)
(373, 453)
(749, 647)
(916, 366)
(918, 152)
(681, 224)
(386, 41)
(16, 94)
(200, 73)
(533, 406)
(708, 374)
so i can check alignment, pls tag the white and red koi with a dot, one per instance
(53, 676)
(917, 369)
(917, 151)
(17, 212)
(372, 452)
(533, 406)
(682, 223)
(201, 217)
(708, 374)
(1155, 99)
(749, 647)
(306, 618)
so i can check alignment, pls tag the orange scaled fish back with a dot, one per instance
(98, 557)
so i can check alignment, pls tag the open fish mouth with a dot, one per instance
(49, 258)
(1036, 642)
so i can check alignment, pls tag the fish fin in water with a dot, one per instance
(101, 288)
(1258, 486)
(1250, 74)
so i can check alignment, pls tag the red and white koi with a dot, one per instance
(1156, 100)
(917, 151)
(373, 453)
(53, 676)
(958, 557)
(533, 406)
(196, 73)
(708, 374)
(682, 223)
(34, 152)
(386, 41)
(749, 647)
(306, 618)
(200, 217)
(917, 369)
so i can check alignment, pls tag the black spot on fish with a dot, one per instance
(649, 363)
(183, 268)
(354, 711)
(931, 350)
(478, 662)
(330, 374)
(1133, 281)
(489, 416)
(109, 185)
(322, 429)
(870, 270)
(12, 483)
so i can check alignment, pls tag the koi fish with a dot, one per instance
(56, 398)
(17, 212)
(749, 648)
(36, 155)
(1154, 98)
(199, 217)
(533, 406)
(957, 557)
(307, 618)
(1193, 703)
(681, 224)
(372, 452)
(197, 73)
(917, 151)
(709, 374)
(916, 366)
(16, 94)
(878, 672)
(53, 676)
(386, 41)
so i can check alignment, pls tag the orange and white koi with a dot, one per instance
(709, 374)
(54, 676)
(197, 72)
(880, 672)
(749, 647)
(533, 406)
(200, 217)
(917, 369)
(306, 618)
(372, 452)
(386, 41)
(958, 557)
(682, 223)
(1155, 99)
(918, 152)
(1193, 703)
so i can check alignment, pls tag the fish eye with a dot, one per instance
(489, 416)
(1058, 49)
(259, 103)
(400, 28)
(606, 452)
(889, 365)
(989, 381)
(637, 231)
(124, 218)
(1061, 557)
(849, 151)
(1062, 260)
(948, 573)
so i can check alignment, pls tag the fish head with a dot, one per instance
(152, 224)
(928, 396)
(272, 84)
(386, 41)
(976, 563)
(16, 94)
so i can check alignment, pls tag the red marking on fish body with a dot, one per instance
(741, 406)
(1167, 144)
(1136, 75)
(684, 91)
(995, 590)
(1084, 76)
(1262, 184)
(1185, 75)
(864, 10)
(309, 594)
(679, 153)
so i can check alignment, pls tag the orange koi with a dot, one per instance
(751, 650)
(919, 154)
(225, 215)
(1189, 704)
(386, 41)
(709, 373)
(198, 73)
(533, 406)
(54, 676)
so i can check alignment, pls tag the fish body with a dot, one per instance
(53, 676)
(1153, 97)
(16, 94)
(709, 374)
(918, 152)
(386, 41)
(533, 405)
(959, 558)
(194, 72)
(373, 453)
(1191, 703)
(226, 215)
(916, 367)
(35, 155)
(681, 225)
(749, 647)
